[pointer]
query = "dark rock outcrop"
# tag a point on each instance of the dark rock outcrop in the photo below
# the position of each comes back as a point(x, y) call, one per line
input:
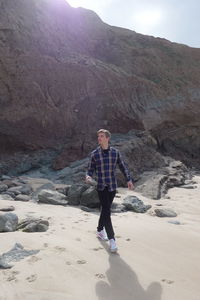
point(64, 74)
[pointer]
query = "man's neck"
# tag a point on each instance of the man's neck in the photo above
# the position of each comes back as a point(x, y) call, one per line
point(105, 147)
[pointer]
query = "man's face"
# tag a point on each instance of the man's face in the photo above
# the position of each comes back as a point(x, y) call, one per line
point(102, 139)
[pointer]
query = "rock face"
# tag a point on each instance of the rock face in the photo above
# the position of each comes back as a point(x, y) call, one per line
point(64, 74)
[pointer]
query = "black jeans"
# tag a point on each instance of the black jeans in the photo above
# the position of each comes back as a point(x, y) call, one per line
point(106, 199)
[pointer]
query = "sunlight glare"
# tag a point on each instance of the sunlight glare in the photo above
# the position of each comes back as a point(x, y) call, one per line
point(147, 18)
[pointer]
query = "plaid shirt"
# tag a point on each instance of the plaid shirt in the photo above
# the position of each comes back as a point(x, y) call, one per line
point(104, 164)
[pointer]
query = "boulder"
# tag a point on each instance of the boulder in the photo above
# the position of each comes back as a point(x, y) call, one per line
point(133, 203)
point(33, 225)
point(75, 193)
point(90, 198)
point(52, 197)
point(6, 197)
point(8, 222)
point(24, 198)
point(3, 188)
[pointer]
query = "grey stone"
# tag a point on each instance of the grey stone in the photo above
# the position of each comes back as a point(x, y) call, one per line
point(75, 192)
point(90, 198)
point(164, 212)
point(6, 197)
point(189, 187)
point(23, 198)
point(52, 197)
point(33, 225)
point(3, 188)
point(5, 177)
point(8, 208)
point(46, 186)
point(133, 203)
point(15, 254)
point(10, 194)
point(87, 209)
point(63, 189)
point(8, 222)
point(26, 189)
point(175, 222)
point(15, 190)
point(117, 208)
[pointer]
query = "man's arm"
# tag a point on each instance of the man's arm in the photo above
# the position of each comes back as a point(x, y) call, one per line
point(90, 170)
point(125, 171)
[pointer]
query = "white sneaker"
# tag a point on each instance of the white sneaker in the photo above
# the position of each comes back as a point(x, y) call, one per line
point(113, 246)
point(102, 235)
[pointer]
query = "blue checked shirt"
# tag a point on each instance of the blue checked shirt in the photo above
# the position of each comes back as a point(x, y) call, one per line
point(104, 163)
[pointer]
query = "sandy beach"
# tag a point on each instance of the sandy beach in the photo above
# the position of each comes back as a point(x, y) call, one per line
point(156, 259)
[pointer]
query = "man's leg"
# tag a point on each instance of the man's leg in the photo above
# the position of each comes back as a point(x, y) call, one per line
point(106, 199)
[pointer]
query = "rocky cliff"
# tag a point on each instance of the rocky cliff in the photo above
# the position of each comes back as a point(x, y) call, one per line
point(64, 74)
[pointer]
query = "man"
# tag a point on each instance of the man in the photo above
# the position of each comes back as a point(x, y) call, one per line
point(103, 161)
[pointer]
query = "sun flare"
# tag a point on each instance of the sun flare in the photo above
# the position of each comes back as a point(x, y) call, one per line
point(148, 18)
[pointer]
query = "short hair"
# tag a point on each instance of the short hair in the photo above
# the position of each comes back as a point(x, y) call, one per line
point(107, 133)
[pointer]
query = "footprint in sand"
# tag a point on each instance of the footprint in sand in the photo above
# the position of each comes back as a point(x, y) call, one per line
point(97, 249)
point(68, 263)
point(81, 262)
point(31, 278)
point(78, 239)
point(128, 240)
point(12, 276)
point(100, 275)
point(33, 259)
point(168, 281)
point(60, 249)
point(45, 245)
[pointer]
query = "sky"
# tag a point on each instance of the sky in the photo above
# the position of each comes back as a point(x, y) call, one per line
point(174, 20)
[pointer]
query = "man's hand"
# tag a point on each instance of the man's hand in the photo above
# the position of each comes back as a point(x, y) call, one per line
point(130, 185)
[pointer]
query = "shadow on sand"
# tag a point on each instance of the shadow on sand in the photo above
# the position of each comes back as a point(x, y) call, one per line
point(123, 282)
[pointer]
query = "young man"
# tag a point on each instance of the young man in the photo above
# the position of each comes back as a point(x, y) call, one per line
point(103, 161)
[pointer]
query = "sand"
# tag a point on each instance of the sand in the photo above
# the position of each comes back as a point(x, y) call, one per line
point(156, 259)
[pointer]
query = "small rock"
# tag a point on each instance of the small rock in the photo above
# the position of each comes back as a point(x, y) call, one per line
point(8, 208)
point(23, 198)
point(165, 213)
point(135, 204)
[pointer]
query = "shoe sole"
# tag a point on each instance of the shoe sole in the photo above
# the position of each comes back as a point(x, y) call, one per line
point(114, 250)
point(102, 238)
